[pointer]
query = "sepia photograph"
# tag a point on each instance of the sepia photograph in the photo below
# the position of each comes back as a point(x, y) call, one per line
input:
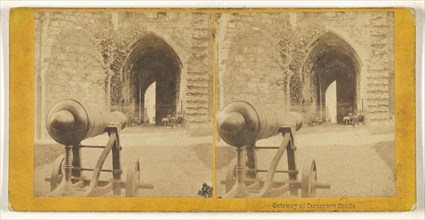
point(123, 104)
point(212, 110)
point(305, 105)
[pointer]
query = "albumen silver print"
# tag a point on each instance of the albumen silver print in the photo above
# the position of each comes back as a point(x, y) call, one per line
point(123, 104)
point(305, 104)
point(289, 104)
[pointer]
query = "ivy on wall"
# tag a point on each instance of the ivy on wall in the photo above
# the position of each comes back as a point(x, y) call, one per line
point(113, 52)
point(296, 89)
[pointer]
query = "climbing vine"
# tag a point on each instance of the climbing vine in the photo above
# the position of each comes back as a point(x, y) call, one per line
point(296, 87)
point(113, 52)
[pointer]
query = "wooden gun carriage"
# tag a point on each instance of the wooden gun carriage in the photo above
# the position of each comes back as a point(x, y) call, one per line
point(241, 125)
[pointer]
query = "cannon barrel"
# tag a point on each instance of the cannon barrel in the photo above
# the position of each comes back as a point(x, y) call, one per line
point(69, 121)
point(240, 123)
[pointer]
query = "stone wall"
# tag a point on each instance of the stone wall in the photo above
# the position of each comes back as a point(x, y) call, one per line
point(190, 35)
point(68, 63)
point(249, 62)
point(273, 76)
point(261, 58)
point(83, 55)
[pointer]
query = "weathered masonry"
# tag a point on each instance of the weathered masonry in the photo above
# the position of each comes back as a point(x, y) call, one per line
point(290, 60)
point(109, 59)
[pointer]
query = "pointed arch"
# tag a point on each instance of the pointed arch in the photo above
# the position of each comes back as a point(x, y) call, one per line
point(151, 59)
point(331, 59)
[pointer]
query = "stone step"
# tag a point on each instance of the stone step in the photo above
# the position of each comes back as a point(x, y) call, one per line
point(197, 93)
point(378, 45)
point(199, 49)
point(379, 58)
point(377, 102)
point(377, 81)
point(377, 95)
point(200, 54)
point(197, 78)
point(199, 114)
point(379, 40)
point(197, 121)
point(380, 66)
point(370, 113)
point(202, 115)
point(378, 50)
point(378, 33)
point(202, 101)
point(380, 119)
point(382, 74)
point(202, 34)
point(378, 109)
point(195, 82)
point(199, 85)
point(194, 105)
point(198, 43)
point(377, 89)
point(377, 116)
point(198, 70)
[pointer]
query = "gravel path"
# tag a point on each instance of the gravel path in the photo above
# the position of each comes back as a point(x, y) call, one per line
point(355, 161)
point(175, 163)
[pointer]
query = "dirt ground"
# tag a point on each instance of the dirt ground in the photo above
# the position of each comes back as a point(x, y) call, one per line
point(174, 162)
point(356, 161)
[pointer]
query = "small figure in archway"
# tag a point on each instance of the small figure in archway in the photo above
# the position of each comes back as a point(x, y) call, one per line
point(178, 119)
point(167, 121)
point(360, 117)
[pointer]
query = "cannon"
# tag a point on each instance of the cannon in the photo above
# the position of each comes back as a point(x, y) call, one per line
point(241, 124)
point(69, 122)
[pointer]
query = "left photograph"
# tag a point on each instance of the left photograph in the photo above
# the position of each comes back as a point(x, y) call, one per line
point(123, 104)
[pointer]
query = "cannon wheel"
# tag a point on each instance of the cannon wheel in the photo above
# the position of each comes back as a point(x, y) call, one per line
point(133, 179)
point(231, 175)
point(308, 181)
point(57, 172)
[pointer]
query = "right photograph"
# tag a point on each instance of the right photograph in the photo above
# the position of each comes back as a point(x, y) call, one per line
point(305, 104)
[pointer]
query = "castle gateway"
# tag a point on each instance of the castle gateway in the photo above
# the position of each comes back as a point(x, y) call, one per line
point(108, 60)
point(153, 64)
point(301, 61)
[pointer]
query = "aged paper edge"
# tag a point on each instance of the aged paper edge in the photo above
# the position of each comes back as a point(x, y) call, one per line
point(22, 136)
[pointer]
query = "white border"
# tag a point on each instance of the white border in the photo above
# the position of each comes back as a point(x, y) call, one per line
point(5, 213)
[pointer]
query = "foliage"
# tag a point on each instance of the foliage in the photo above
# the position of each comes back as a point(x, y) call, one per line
point(116, 90)
point(113, 52)
point(296, 87)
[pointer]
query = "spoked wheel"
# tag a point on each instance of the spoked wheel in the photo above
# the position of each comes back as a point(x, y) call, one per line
point(133, 180)
point(57, 172)
point(308, 181)
point(231, 175)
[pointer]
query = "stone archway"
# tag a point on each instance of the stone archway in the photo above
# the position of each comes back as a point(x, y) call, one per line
point(150, 60)
point(332, 59)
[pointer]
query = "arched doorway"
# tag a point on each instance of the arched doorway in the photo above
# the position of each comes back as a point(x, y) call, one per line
point(152, 60)
point(331, 103)
point(331, 60)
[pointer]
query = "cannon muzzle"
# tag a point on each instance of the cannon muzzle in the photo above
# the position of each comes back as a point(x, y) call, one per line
point(240, 123)
point(69, 122)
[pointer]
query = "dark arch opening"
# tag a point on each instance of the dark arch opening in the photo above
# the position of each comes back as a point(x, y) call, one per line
point(333, 59)
point(154, 60)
